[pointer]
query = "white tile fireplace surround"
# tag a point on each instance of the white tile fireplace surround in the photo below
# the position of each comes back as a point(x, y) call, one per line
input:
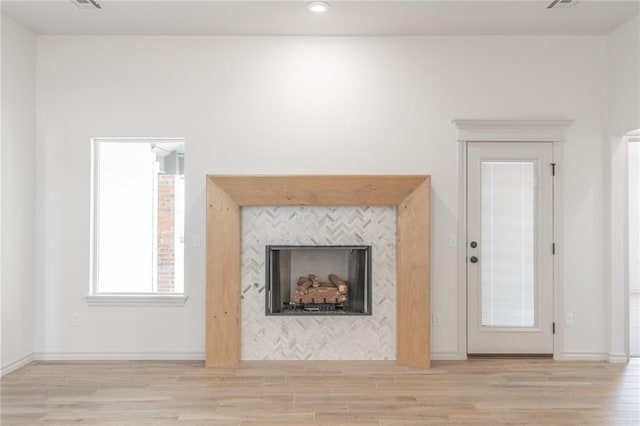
point(318, 337)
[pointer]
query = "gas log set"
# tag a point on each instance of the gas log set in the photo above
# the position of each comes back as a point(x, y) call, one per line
point(310, 290)
point(322, 280)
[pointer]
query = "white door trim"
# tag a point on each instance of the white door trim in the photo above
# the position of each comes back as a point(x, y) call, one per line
point(510, 131)
point(618, 261)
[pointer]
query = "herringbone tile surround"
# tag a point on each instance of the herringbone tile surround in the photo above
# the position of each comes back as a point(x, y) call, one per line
point(318, 338)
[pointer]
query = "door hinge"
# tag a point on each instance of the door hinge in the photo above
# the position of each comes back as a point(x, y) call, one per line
point(553, 169)
point(553, 248)
point(553, 327)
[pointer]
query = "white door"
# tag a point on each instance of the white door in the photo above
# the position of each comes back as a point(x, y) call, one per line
point(509, 248)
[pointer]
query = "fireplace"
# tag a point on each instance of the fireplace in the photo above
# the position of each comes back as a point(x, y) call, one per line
point(229, 328)
point(318, 280)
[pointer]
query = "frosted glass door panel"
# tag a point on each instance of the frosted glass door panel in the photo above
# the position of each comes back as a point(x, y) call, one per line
point(508, 244)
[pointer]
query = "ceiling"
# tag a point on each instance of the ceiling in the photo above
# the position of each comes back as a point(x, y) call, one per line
point(210, 17)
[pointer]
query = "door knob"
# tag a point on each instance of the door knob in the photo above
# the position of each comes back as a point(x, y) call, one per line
point(473, 259)
point(473, 244)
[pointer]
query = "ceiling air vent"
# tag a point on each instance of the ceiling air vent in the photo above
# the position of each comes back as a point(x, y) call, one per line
point(86, 4)
point(562, 4)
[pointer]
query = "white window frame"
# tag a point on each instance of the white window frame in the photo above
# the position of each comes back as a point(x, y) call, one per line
point(95, 298)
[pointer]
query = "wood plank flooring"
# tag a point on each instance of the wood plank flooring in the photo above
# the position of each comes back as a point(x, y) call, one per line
point(371, 393)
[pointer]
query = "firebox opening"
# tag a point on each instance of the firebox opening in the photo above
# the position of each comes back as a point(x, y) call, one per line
point(318, 280)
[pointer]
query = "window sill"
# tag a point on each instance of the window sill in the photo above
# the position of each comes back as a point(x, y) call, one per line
point(127, 299)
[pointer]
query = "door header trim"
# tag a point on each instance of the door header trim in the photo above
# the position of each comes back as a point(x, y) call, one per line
point(511, 130)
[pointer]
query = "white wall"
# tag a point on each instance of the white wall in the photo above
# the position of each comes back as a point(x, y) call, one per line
point(18, 201)
point(623, 78)
point(286, 105)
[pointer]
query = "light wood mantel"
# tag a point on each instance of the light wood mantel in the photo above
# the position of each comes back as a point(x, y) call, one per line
point(227, 194)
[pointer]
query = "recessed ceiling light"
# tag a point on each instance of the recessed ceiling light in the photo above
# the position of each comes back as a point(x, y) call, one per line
point(318, 6)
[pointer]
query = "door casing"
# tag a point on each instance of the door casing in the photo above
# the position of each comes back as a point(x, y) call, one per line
point(510, 131)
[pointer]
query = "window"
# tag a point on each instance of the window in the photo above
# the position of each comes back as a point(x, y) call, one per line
point(138, 217)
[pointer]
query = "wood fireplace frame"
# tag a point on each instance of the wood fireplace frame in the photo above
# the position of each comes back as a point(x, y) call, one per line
point(226, 195)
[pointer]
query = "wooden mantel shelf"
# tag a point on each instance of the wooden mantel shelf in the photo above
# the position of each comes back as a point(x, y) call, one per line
point(227, 194)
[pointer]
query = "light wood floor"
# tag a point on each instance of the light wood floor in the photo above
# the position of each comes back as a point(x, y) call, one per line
point(479, 392)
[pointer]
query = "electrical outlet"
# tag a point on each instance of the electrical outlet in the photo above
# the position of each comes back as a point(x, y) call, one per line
point(435, 320)
point(568, 320)
point(75, 320)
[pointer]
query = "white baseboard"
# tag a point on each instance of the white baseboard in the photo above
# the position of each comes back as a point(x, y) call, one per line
point(617, 358)
point(166, 356)
point(612, 358)
point(581, 356)
point(118, 356)
point(200, 356)
point(448, 356)
point(19, 363)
